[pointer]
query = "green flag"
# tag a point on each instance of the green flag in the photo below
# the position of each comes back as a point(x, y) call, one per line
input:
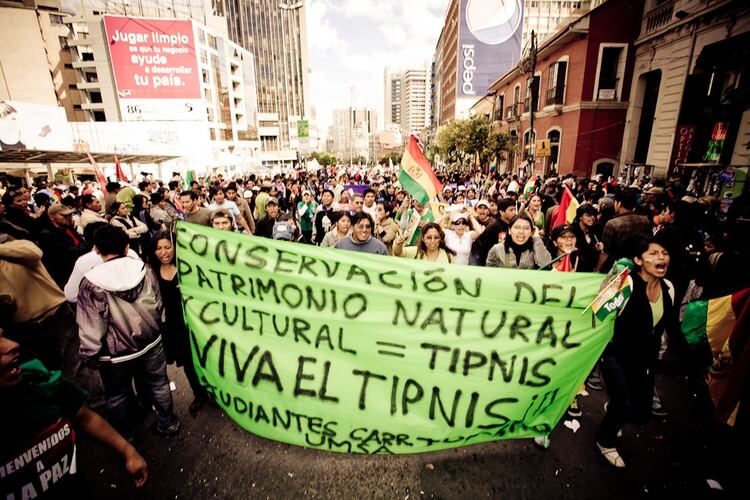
point(361, 353)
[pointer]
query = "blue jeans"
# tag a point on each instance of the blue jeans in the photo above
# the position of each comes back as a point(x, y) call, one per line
point(631, 391)
point(151, 371)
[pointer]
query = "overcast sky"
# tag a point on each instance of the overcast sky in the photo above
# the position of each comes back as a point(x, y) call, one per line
point(352, 41)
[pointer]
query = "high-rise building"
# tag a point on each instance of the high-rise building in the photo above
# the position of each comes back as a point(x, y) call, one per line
point(351, 130)
point(150, 89)
point(481, 40)
point(546, 17)
point(415, 99)
point(392, 94)
point(276, 33)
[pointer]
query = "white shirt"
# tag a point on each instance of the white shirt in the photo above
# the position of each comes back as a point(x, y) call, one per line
point(84, 264)
point(227, 205)
point(462, 245)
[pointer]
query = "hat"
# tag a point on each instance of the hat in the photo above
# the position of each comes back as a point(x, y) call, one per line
point(266, 184)
point(256, 188)
point(221, 212)
point(483, 203)
point(560, 230)
point(248, 193)
point(282, 230)
point(306, 191)
point(447, 188)
point(654, 190)
point(272, 201)
point(462, 188)
point(58, 208)
point(458, 216)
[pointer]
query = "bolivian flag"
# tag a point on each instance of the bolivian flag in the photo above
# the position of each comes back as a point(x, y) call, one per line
point(528, 188)
point(566, 212)
point(416, 175)
point(723, 324)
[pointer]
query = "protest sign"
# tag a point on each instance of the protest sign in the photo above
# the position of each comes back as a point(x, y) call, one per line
point(361, 353)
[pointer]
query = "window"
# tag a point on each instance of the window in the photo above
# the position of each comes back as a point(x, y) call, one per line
point(91, 77)
point(532, 94)
point(63, 41)
point(556, 83)
point(87, 56)
point(96, 97)
point(68, 66)
point(611, 72)
point(528, 143)
point(554, 149)
point(55, 19)
point(99, 116)
point(498, 109)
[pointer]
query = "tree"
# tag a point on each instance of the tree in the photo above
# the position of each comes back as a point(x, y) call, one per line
point(472, 140)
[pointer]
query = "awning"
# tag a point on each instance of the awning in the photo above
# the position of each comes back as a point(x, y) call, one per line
point(34, 156)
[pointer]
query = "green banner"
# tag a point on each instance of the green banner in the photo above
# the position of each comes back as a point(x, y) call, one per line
point(303, 128)
point(361, 353)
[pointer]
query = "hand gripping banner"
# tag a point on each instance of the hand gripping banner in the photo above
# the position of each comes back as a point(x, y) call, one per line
point(360, 353)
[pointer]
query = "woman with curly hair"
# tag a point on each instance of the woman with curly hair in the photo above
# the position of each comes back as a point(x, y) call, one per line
point(431, 246)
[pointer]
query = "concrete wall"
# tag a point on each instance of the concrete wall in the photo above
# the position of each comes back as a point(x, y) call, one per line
point(23, 59)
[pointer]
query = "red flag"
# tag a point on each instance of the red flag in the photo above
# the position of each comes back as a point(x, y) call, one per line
point(564, 265)
point(566, 212)
point(99, 174)
point(118, 171)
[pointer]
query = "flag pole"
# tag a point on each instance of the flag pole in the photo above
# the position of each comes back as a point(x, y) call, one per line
point(557, 259)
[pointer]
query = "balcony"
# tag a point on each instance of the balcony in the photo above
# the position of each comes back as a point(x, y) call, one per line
point(511, 112)
point(555, 96)
point(658, 17)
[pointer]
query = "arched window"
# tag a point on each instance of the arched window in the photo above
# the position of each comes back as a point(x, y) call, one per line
point(553, 135)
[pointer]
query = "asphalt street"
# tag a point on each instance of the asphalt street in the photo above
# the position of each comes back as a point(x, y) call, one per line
point(214, 458)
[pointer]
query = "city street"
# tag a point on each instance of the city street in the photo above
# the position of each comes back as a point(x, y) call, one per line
point(213, 458)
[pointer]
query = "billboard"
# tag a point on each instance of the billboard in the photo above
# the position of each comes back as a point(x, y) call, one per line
point(489, 43)
point(25, 126)
point(155, 68)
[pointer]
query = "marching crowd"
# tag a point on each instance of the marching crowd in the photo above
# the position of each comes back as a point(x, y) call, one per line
point(89, 281)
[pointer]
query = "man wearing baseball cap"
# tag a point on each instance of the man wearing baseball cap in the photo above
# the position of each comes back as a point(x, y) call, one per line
point(264, 227)
point(222, 219)
point(60, 243)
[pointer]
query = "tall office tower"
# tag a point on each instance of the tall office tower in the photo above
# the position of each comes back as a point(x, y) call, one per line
point(275, 31)
point(350, 132)
point(415, 101)
point(392, 94)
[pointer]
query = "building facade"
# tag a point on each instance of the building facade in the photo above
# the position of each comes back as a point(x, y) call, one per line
point(164, 87)
point(578, 94)
point(276, 34)
point(391, 96)
point(545, 17)
point(385, 143)
point(350, 132)
point(690, 88)
point(415, 101)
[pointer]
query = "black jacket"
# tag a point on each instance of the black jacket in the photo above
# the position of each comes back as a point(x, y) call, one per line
point(637, 340)
point(60, 249)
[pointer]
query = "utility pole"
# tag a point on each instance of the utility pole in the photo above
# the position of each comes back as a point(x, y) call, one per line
point(534, 89)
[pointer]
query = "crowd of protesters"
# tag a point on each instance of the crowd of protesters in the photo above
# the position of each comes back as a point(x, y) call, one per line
point(89, 281)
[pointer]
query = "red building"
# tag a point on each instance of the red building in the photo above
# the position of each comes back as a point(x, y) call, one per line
point(581, 90)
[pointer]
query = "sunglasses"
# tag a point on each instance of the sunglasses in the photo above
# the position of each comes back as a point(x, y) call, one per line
point(460, 222)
